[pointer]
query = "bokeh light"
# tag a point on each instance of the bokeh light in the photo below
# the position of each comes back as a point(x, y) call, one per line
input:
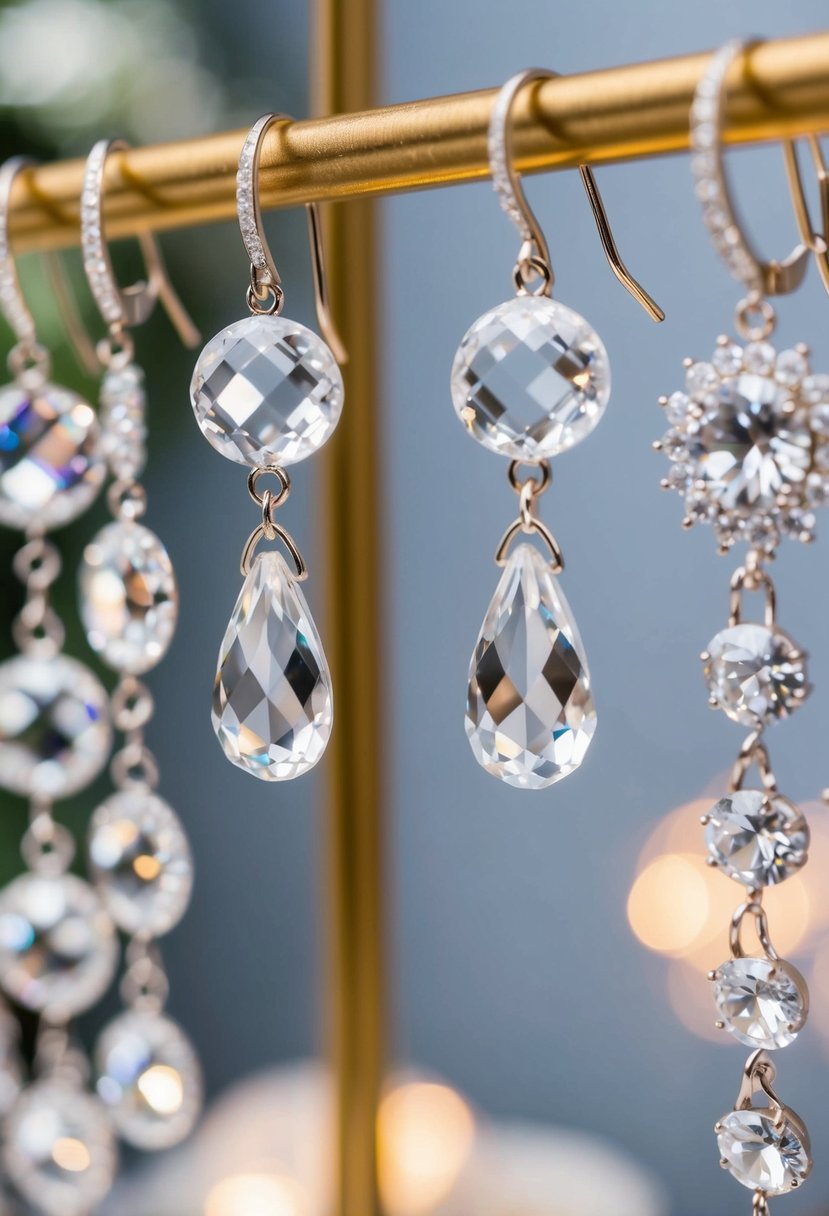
point(425, 1136)
point(258, 1193)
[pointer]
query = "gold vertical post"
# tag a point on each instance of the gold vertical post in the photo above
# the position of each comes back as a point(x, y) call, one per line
point(345, 71)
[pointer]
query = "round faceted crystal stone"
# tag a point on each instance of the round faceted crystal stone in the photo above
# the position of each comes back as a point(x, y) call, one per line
point(756, 674)
point(762, 1002)
point(58, 949)
point(128, 597)
point(266, 390)
point(150, 1079)
point(140, 861)
point(757, 838)
point(764, 1153)
point(51, 466)
point(747, 447)
point(59, 1150)
point(530, 378)
point(55, 733)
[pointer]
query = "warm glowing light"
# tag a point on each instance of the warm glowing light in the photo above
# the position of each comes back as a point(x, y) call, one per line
point(161, 1088)
point(425, 1134)
point(689, 994)
point(147, 867)
point(669, 903)
point(71, 1155)
point(256, 1194)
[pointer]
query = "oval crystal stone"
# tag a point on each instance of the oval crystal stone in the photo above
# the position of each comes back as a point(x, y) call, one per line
point(530, 378)
point(763, 1002)
point(149, 1078)
point(55, 734)
point(59, 1150)
point(272, 701)
point(529, 711)
point(764, 1152)
point(128, 597)
point(749, 446)
point(58, 950)
point(267, 390)
point(757, 838)
point(51, 466)
point(140, 861)
point(756, 674)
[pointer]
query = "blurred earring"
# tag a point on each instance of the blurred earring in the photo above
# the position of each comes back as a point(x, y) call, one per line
point(531, 379)
point(138, 852)
point(267, 392)
point(749, 449)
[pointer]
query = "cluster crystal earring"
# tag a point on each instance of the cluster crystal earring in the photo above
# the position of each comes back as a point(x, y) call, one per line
point(267, 392)
point(139, 857)
point(531, 379)
point(749, 450)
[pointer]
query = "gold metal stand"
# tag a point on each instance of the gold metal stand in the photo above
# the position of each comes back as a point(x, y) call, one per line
point(780, 88)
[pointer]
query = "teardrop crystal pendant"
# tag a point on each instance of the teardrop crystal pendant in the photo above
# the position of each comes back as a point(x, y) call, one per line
point(529, 713)
point(272, 704)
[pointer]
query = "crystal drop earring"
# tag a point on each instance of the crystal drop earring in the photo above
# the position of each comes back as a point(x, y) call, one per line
point(749, 451)
point(138, 853)
point(267, 392)
point(531, 379)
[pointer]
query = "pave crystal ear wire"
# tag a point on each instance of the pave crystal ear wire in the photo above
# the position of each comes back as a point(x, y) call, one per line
point(531, 379)
point(267, 392)
point(58, 948)
point(749, 447)
point(139, 857)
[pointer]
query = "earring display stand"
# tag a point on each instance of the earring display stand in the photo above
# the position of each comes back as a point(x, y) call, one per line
point(777, 89)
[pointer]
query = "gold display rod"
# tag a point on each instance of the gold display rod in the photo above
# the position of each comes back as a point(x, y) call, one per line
point(778, 88)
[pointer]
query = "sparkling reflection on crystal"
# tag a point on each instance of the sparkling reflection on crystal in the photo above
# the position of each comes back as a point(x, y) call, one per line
point(755, 673)
point(266, 390)
point(757, 838)
point(128, 597)
point(530, 378)
point(55, 734)
point(140, 861)
point(762, 1001)
point(59, 1149)
point(58, 949)
point(272, 703)
point(529, 714)
point(763, 1154)
point(150, 1079)
point(51, 465)
point(747, 448)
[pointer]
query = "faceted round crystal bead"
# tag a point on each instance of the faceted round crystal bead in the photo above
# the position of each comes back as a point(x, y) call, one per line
point(755, 674)
point(757, 838)
point(150, 1079)
point(59, 1150)
point(55, 734)
point(51, 466)
point(266, 390)
point(748, 446)
point(128, 597)
point(140, 861)
point(58, 949)
point(763, 1002)
point(529, 712)
point(530, 378)
point(272, 700)
point(764, 1153)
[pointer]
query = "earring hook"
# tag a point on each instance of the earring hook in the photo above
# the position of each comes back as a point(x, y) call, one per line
point(534, 255)
point(123, 308)
point(730, 238)
point(265, 294)
point(814, 241)
point(28, 352)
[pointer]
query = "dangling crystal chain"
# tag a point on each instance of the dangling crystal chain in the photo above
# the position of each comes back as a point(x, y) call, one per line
point(529, 491)
point(37, 628)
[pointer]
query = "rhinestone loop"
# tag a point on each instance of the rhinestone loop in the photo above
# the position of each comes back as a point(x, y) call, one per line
point(145, 985)
point(38, 630)
point(263, 272)
point(12, 304)
point(37, 564)
point(134, 765)
point(132, 705)
point(47, 847)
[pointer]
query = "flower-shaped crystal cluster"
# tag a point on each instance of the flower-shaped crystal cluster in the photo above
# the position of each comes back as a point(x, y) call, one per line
point(749, 443)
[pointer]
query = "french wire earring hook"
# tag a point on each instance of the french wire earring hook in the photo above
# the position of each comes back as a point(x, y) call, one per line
point(123, 308)
point(265, 294)
point(815, 241)
point(534, 255)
